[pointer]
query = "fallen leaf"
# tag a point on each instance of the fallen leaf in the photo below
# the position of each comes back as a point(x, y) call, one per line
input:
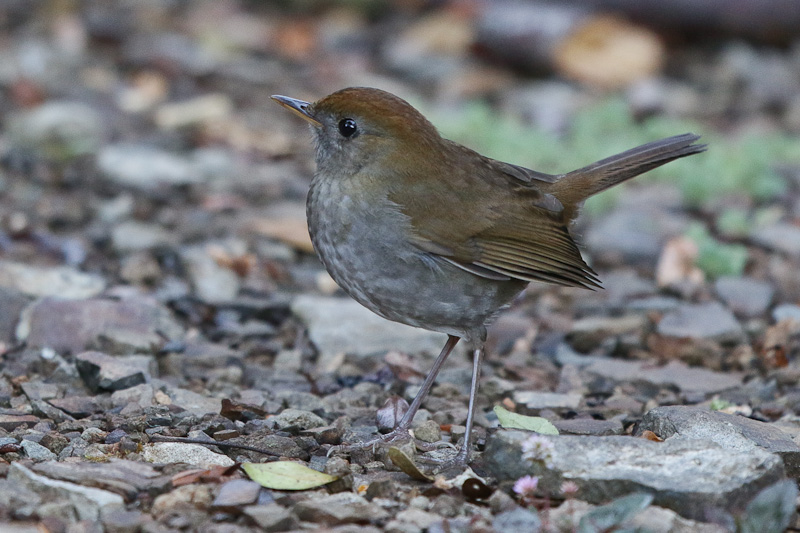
point(403, 366)
point(390, 414)
point(407, 465)
point(649, 435)
point(216, 474)
point(777, 342)
point(286, 475)
point(511, 420)
point(677, 263)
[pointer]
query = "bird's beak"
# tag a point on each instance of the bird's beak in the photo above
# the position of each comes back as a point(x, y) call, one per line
point(299, 107)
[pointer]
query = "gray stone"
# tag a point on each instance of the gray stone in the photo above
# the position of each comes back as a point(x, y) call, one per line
point(586, 334)
point(145, 167)
point(518, 519)
point(745, 296)
point(142, 395)
point(36, 451)
point(134, 236)
point(80, 406)
point(275, 444)
point(660, 304)
point(87, 501)
point(786, 311)
point(342, 508)
point(419, 519)
point(78, 325)
point(212, 282)
point(547, 400)
point(126, 478)
point(688, 476)
point(12, 302)
point(57, 129)
point(588, 426)
point(193, 402)
point(709, 320)
point(659, 520)
point(179, 452)
point(271, 517)
point(104, 372)
point(120, 520)
point(428, 431)
point(59, 511)
point(733, 432)
point(673, 374)
point(12, 422)
point(237, 492)
point(295, 418)
point(339, 325)
point(39, 390)
point(781, 237)
point(20, 498)
point(549, 104)
point(633, 235)
point(61, 282)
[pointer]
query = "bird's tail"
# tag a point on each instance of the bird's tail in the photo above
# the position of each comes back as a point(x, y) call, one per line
point(576, 186)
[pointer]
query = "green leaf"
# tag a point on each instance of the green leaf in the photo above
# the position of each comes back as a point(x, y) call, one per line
point(286, 475)
point(611, 516)
point(770, 511)
point(511, 420)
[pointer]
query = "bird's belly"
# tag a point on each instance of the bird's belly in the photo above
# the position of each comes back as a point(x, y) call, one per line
point(365, 249)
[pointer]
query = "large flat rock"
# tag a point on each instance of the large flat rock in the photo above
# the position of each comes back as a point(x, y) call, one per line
point(342, 325)
point(687, 476)
point(733, 432)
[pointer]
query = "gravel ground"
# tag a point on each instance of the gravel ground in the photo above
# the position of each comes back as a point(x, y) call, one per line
point(158, 285)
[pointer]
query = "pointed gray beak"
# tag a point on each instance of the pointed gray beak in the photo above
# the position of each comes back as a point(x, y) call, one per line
point(299, 107)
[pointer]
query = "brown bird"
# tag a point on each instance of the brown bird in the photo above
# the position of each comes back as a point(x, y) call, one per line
point(424, 231)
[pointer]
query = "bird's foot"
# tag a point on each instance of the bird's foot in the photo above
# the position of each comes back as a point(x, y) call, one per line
point(396, 436)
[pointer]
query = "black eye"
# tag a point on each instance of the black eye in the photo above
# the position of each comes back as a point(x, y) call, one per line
point(347, 127)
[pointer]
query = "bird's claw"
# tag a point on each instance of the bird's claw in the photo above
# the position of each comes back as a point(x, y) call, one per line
point(394, 436)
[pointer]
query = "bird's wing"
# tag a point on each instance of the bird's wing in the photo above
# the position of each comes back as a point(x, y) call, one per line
point(505, 228)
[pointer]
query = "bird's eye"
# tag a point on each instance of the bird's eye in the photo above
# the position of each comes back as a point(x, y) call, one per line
point(347, 127)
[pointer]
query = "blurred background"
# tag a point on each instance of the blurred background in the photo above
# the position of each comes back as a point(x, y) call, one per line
point(112, 111)
point(138, 141)
point(151, 186)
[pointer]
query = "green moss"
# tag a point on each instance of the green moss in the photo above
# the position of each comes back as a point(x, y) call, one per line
point(718, 404)
point(716, 258)
point(734, 223)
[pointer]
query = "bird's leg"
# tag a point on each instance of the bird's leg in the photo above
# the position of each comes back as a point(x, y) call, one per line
point(477, 360)
point(401, 430)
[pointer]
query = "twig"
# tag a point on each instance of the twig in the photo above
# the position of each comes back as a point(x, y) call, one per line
point(186, 440)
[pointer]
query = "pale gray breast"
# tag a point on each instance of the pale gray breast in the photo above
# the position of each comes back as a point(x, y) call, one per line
point(363, 245)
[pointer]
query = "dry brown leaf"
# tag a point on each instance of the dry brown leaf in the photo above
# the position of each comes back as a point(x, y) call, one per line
point(403, 366)
point(649, 435)
point(392, 411)
point(775, 344)
point(216, 474)
point(677, 263)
